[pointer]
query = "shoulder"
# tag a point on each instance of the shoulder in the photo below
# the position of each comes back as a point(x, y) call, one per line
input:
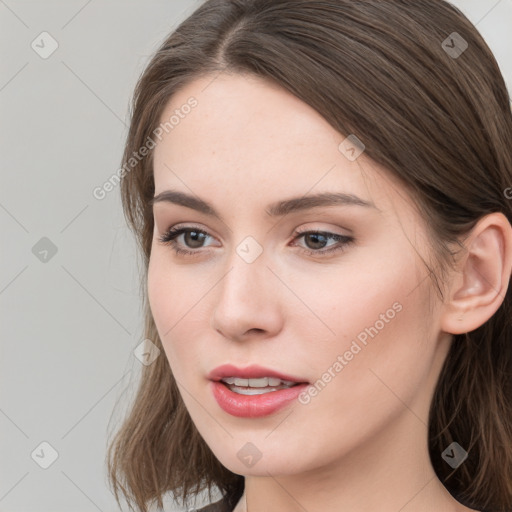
point(218, 506)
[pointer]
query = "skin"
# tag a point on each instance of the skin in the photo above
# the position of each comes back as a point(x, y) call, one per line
point(361, 442)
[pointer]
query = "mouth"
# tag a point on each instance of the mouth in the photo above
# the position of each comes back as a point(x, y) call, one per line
point(254, 377)
point(253, 391)
point(257, 386)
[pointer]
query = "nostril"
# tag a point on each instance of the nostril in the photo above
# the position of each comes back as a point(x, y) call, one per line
point(257, 330)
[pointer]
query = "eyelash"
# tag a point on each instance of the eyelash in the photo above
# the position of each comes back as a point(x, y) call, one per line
point(169, 238)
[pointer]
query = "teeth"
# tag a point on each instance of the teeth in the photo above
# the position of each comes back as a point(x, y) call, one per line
point(254, 391)
point(262, 382)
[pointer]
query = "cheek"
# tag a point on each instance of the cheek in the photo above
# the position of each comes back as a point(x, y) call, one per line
point(167, 289)
point(176, 306)
point(338, 303)
point(380, 374)
point(162, 296)
point(159, 291)
point(370, 324)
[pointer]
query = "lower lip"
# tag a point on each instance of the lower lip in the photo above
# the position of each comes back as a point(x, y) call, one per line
point(254, 406)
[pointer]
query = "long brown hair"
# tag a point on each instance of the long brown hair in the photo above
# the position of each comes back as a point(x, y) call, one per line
point(439, 121)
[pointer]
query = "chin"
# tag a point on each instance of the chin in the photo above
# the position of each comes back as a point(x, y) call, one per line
point(260, 458)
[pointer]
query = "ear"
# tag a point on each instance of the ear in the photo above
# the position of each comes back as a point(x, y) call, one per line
point(483, 273)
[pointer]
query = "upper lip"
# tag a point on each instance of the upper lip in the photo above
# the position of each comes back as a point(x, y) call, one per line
point(249, 372)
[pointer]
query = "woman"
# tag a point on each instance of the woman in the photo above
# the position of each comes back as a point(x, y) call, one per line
point(321, 192)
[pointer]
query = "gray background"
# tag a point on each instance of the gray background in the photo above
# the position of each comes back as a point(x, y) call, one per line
point(71, 320)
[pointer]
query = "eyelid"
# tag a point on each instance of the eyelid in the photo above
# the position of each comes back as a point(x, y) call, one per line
point(179, 229)
point(298, 231)
point(342, 241)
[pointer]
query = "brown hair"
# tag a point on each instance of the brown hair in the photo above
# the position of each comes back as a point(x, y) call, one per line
point(441, 123)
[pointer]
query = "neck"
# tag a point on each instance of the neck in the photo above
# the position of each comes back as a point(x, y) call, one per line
point(390, 472)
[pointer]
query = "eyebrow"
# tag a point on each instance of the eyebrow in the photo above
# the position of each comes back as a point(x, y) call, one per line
point(277, 209)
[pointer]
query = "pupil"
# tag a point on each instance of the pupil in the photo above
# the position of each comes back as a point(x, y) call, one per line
point(194, 235)
point(316, 237)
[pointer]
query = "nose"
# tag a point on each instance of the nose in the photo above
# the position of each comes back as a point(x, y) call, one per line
point(248, 301)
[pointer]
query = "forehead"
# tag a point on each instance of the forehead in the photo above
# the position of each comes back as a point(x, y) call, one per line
point(247, 120)
point(248, 137)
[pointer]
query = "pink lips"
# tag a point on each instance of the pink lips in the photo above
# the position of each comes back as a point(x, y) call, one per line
point(250, 372)
point(252, 406)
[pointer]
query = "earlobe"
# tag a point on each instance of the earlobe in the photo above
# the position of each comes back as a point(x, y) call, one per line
point(482, 278)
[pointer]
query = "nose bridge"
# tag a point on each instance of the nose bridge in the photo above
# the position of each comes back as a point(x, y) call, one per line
point(247, 266)
point(246, 298)
point(244, 281)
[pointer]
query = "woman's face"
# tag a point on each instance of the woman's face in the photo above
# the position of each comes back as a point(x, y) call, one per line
point(353, 317)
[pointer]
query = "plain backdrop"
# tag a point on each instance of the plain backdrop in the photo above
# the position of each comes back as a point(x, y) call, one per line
point(69, 285)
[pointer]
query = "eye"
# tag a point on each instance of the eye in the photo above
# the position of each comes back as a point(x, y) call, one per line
point(316, 238)
point(194, 237)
